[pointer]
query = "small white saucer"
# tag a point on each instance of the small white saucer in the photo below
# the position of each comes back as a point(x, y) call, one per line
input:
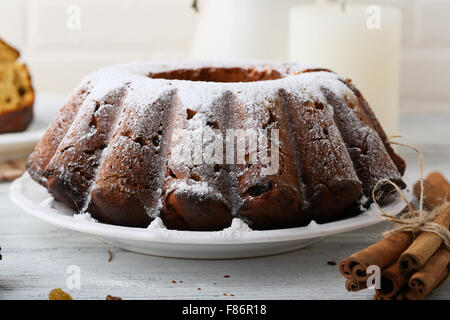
point(231, 243)
point(19, 144)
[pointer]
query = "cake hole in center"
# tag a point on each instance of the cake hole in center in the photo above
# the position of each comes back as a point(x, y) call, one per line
point(218, 75)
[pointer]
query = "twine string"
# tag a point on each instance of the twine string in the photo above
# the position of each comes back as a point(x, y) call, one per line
point(413, 220)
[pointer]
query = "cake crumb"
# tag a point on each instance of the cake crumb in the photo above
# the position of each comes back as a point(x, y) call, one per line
point(110, 256)
point(59, 294)
point(331, 263)
point(226, 276)
point(110, 297)
point(199, 289)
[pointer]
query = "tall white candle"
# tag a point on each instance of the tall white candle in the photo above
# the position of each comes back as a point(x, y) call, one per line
point(242, 29)
point(360, 42)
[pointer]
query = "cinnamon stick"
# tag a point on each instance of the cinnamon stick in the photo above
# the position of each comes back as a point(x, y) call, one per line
point(433, 272)
point(425, 245)
point(383, 253)
point(439, 181)
point(355, 285)
point(434, 194)
point(392, 282)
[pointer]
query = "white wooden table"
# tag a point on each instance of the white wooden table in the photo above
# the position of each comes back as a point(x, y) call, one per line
point(36, 255)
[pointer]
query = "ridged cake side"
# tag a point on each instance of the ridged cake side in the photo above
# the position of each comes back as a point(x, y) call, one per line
point(73, 168)
point(128, 186)
point(371, 159)
point(46, 148)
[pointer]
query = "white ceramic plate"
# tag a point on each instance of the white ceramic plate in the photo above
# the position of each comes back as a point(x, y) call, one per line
point(228, 244)
point(18, 145)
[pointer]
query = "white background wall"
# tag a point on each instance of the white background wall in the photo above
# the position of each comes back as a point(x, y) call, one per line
point(115, 31)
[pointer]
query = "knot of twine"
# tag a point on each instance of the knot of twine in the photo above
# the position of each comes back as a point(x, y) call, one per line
point(414, 220)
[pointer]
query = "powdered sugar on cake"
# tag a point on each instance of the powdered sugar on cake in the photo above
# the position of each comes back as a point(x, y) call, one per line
point(122, 146)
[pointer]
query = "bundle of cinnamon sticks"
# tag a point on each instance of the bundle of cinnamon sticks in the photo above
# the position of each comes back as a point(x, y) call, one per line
point(411, 265)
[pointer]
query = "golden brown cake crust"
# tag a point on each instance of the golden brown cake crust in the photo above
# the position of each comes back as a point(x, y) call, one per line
point(8, 53)
point(16, 91)
point(17, 120)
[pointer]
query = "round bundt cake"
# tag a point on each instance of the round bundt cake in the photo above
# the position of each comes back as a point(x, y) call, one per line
point(114, 148)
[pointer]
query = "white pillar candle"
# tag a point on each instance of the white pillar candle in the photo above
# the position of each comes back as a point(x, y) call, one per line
point(242, 29)
point(361, 42)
